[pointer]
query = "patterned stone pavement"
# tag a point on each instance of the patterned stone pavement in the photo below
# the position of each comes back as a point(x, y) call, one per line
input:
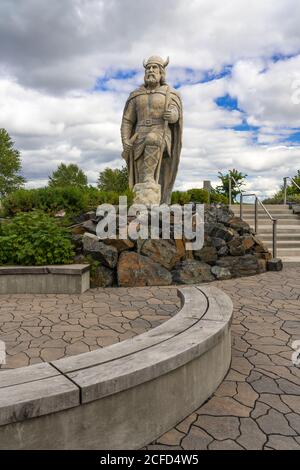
point(39, 328)
point(257, 406)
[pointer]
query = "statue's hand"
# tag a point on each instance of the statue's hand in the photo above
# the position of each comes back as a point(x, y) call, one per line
point(169, 116)
point(127, 146)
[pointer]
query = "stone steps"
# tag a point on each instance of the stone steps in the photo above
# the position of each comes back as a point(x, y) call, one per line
point(288, 230)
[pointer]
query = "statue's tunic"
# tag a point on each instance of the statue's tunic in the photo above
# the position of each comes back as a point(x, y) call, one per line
point(143, 115)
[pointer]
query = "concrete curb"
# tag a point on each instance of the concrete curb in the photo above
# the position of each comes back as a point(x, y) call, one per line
point(60, 279)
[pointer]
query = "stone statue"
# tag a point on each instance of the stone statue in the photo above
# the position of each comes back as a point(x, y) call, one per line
point(151, 133)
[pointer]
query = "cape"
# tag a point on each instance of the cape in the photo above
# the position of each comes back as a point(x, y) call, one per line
point(169, 165)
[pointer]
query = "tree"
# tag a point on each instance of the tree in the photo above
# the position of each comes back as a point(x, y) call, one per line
point(113, 180)
point(68, 175)
point(237, 181)
point(10, 165)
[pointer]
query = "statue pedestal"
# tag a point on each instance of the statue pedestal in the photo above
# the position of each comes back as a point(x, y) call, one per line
point(147, 193)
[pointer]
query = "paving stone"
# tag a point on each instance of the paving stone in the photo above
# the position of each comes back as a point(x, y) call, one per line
point(227, 444)
point(226, 389)
point(245, 394)
point(260, 410)
point(293, 402)
point(294, 421)
point(196, 439)
point(185, 425)
point(274, 401)
point(171, 438)
point(225, 406)
point(251, 437)
point(275, 423)
point(223, 427)
point(279, 442)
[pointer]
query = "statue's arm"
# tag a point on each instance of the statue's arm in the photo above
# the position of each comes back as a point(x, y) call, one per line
point(172, 113)
point(128, 122)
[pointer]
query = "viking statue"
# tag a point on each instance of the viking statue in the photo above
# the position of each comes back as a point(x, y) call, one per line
point(151, 133)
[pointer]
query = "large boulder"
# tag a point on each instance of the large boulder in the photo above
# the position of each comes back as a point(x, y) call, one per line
point(192, 272)
point(220, 231)
point(207, 254)
point(165, 252)
point(221, 273)
point(238, 224)
point(108, 255)
point(236, 247)
point(245, 265)
point(135, 270)
point(120, 244)
point(101, 276)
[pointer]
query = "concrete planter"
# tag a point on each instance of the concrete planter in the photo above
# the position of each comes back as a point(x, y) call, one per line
point(64, 279)
point(126, 395)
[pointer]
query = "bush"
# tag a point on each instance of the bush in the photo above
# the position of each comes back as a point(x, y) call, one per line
point(200, 196)
point(50, 200)
point(216, 198)
point(34, 238)
point(180, 197)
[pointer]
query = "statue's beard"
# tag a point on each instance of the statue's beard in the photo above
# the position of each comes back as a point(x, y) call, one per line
point(151, 80)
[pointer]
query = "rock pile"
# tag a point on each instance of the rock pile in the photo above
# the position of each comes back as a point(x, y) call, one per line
point(230, 250)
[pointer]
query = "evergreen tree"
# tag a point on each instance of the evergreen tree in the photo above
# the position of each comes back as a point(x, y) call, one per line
point(10, 165)
point(68, 175)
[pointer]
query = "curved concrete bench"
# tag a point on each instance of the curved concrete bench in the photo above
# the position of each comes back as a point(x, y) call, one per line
point(52, 279)
point(125, 395)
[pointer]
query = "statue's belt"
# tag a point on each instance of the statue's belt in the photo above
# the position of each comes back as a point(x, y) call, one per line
point(150, 122)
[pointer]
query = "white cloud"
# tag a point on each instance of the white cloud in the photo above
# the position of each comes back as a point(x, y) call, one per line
point(52, 54)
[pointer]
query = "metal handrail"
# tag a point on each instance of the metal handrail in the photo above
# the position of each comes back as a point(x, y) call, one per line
point(274, 221)
point(285, 186)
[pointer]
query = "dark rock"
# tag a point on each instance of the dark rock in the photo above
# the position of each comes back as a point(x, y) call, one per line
point(220, 231)
point(77, 242)
point(119, 244)
point(235, 247)
point(78, 219)
point(275, 264)
point(192, 272)
point(218, 243)
point(207, 254)
point(138, 270)
point(99, 251)
point(246, 265)
point(223, 251)
point(89, 226)
point(101, 276)
point(238, 224)
point(165, 252)
point(221, 273)
point(247, 242)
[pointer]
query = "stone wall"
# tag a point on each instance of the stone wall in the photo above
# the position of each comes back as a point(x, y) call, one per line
point(230, 250)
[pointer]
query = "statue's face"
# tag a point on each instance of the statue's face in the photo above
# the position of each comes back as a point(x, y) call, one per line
point(152, 74)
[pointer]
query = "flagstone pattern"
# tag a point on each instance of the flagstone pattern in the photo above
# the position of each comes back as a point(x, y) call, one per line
point(38, 328)
point(257, 406)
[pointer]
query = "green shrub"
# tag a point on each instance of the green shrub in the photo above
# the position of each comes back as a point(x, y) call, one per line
point(34, 238)
point(51, 199)
point(216, 198)
point(180, 197)
point(198, 195)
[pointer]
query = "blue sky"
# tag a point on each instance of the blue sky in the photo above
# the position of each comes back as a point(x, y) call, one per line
point(64, 80)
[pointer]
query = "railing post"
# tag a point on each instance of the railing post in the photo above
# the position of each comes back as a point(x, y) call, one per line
point(229, 183)
point(284, 188)
point(256, 216)
point(241, 206)
point(274, 238)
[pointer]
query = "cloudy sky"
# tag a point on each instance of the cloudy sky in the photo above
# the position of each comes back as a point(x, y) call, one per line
point(67, 66)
